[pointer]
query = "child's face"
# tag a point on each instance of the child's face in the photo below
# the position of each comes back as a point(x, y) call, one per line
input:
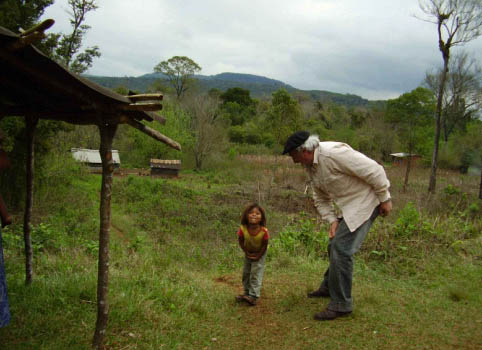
point(254, 216)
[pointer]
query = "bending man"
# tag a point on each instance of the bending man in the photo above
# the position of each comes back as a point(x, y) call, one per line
point(359, 187)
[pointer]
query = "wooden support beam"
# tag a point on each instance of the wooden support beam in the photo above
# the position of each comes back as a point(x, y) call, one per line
point(31, 124)
point(153, 133)
point(107, 133)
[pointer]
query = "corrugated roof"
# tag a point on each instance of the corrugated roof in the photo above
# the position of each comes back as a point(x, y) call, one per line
point(92, 156)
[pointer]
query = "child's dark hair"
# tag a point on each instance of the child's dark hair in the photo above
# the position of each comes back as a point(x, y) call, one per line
point(244, 217)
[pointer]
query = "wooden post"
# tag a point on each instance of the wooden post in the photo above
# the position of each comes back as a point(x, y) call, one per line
point(107, 133)
point(30, 125)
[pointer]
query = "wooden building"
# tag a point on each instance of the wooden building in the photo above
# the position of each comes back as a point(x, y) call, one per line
point(33, 87)
point(91, 158)
point(401, 159)
point(165, 168)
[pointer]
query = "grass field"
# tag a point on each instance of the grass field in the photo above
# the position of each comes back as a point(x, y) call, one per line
point(175, 266)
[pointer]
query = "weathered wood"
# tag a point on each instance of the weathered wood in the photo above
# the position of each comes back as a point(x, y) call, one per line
point(154, 106)
point(153, 133)
point(41, 27)
point(25, 41)
point(145, 97)
point(31, 124)
point(107, 133)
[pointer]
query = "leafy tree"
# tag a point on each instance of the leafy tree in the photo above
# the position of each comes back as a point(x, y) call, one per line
point(239, 95)
point(238, 106)
point(69, 45)
point(463, 97)
point(458, 22)
point(22, 14)
point(411, 113)
point(283, 116)
point(179, 71)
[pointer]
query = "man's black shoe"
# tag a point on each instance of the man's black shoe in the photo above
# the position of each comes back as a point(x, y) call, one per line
point(320, 293)
point(328, 315)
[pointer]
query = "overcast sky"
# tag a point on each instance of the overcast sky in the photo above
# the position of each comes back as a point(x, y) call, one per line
point(373, 48)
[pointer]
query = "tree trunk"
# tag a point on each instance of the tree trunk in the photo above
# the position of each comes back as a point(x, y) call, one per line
point(438, 115)
point(480, 187)
point(407, 172)
point(30, 125)
point(107, 133)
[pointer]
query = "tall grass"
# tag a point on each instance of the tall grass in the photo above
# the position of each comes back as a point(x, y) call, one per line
point(175, 265)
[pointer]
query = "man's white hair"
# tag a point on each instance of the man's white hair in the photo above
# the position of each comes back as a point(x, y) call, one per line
point(310, 144)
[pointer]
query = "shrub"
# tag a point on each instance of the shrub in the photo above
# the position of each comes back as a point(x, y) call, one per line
point(302, 237)
point(408, 221)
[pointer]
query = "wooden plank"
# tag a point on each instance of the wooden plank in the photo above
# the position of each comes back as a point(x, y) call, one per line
point(145, 97)
point(41, 27)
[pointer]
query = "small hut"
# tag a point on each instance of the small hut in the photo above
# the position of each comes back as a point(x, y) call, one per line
point(35, 87)
point(401, 159)
point(91, 158)
point(165, 167)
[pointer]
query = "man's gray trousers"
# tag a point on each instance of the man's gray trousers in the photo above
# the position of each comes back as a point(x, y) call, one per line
point(339, 275)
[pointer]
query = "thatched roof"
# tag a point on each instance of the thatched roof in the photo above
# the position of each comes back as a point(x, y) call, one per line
point(34, 85)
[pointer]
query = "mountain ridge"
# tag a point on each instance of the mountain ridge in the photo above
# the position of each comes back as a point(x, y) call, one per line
point(259, 86)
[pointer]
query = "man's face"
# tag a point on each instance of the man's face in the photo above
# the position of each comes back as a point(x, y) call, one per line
point(303, 157)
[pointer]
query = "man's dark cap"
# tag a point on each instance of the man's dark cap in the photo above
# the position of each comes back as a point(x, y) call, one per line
point(295, 141)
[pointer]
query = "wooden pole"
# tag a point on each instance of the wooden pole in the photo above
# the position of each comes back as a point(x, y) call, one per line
point(107, 133)
point(30, 125)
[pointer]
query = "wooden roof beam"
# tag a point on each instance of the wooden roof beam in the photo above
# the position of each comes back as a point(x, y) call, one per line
point(152, 133)
point(31, 35)
point(145, 97)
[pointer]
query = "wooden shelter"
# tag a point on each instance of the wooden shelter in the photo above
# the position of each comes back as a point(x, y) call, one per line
point(401, 159)
point(165, 167)
point(34, 87)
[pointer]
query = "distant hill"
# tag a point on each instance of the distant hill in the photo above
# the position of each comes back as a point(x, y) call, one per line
point(259, 86)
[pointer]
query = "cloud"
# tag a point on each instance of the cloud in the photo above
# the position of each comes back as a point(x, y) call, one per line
point(376, 49)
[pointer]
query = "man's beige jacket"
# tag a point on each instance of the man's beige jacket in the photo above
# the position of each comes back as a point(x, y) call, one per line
point(348, 178)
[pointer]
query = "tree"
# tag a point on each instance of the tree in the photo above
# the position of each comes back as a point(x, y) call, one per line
point(458, 22)
point(179, 71)
point(206, 128)
point(68, 45)
point(411, 113)
point(463, 96)
point(283, 116)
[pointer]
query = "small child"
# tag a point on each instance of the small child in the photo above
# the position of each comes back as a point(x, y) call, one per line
point(253, 239)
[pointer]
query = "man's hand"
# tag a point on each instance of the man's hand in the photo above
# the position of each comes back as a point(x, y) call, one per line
point(385, 208)
point(332, 230)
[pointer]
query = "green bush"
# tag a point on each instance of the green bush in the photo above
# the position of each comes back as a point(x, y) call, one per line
point(408, 221)
point(302, 237)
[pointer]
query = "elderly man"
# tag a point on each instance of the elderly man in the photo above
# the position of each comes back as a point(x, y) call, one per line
point(359, 187)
